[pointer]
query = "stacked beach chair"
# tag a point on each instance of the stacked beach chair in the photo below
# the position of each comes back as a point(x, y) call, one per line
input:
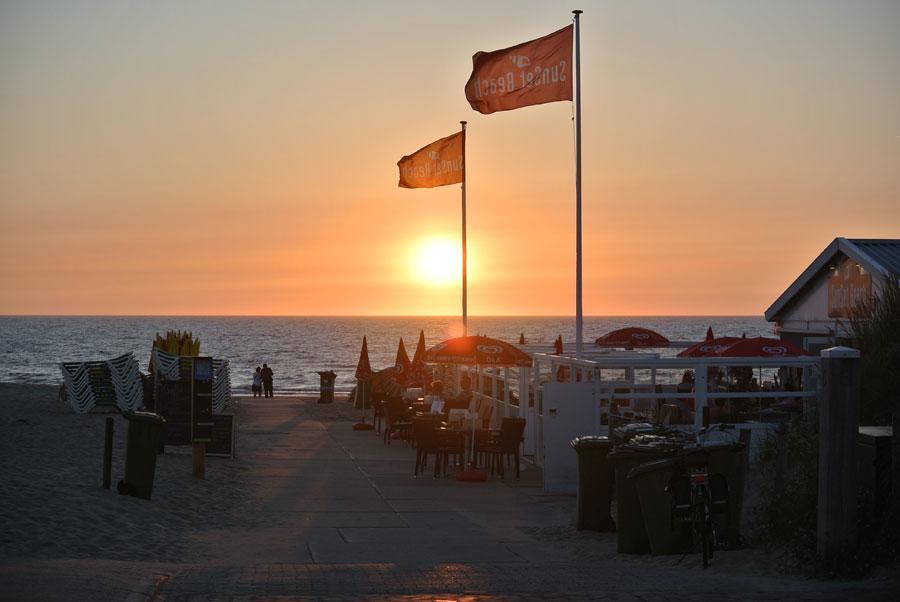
point(176, 368)
point(221, 386)
point(115, 382)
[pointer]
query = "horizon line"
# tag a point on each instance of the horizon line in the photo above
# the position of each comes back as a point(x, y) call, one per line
point(377, 316)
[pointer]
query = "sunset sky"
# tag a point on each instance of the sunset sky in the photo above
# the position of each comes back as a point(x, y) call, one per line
point(240, 157)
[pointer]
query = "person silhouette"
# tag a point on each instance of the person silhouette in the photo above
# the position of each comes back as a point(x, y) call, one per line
point(266, 374)
point(257, 386)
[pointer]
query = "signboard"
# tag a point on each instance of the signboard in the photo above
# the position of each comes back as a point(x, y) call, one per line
point(173, 402)
point(848, 285)
point(201, 400)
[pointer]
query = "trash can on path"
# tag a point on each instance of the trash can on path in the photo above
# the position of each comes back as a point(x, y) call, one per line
point(144, 432)
point(631, 538)
point(326, 386)
point(594, 483)
point(651, 481)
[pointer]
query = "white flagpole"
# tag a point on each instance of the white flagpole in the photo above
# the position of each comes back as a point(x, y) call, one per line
point(579, 342)
point(464, 308)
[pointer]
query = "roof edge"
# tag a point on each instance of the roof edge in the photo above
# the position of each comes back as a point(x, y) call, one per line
point(801, 281)
point(839, 245)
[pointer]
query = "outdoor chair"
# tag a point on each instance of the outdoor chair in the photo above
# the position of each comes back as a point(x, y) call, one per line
point(504, 445)
point(451, 445)
point(425, 436)
point(396, 420)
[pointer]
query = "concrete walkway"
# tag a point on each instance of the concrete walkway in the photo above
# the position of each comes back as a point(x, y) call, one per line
point(323, 511)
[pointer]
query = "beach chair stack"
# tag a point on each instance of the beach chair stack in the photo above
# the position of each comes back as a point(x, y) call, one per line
point(221, 385)
point(126, 381)
point(115, 382)
point(175, 368)
point(77, 382)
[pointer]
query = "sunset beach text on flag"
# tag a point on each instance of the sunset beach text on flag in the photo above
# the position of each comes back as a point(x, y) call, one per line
point(440, 163)
point(530, 73)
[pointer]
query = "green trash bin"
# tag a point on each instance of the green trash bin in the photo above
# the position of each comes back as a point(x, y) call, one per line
point(144, 433)
point(727, 460)
point(326, 386)
point(651, 481)
point(594, 484)
point(631, 538)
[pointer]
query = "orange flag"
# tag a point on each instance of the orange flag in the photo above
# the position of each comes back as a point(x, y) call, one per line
point(530, 73)
point(438, 164)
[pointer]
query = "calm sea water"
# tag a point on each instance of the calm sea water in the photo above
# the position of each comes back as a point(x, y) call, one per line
point(296, 347)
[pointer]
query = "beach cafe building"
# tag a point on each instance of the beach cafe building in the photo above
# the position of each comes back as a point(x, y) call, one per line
point(813, 313)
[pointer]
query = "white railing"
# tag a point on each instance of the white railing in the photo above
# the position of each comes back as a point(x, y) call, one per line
point(626, 378)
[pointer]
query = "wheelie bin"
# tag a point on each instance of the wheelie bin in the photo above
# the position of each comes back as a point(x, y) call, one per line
point(631, 537)
point(651, 481)
point(326, 386)
point(144, 432)
point(594, 483)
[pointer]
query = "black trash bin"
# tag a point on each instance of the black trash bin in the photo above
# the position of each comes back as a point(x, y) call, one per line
point(326, 386)
point(651, 481)
point(631, 538)
point(594, 483)
point(144, 433)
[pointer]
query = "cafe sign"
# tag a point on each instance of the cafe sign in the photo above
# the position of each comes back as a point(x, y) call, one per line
point(848, 285)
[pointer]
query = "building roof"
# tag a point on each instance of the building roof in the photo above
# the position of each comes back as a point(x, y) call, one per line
point(878, 256)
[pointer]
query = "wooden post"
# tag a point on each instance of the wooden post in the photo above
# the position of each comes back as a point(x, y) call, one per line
point(107, 453)
point(838, 432)
point(198, 451)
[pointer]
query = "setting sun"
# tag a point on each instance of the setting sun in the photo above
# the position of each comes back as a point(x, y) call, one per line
point(437, 261)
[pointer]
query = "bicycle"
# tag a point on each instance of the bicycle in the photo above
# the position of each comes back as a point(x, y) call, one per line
point(694, 501)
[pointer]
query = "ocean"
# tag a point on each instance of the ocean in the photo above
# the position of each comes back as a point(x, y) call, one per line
point(31, 347)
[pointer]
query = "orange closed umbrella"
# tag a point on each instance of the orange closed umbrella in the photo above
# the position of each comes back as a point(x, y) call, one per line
point(419, 369)
point(402, 366)
point(363, 386)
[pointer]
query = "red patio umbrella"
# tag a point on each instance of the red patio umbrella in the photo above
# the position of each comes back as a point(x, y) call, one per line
point(363, 386)
point(708, 347)
point(477, 351)
point(709, 335)
point(762, 347)
point(633, 336)
point(402, 366)
point(558, 346)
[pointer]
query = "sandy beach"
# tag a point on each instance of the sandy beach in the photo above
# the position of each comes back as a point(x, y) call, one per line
point(310, 508)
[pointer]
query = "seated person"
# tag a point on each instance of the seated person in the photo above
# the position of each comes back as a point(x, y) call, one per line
point(436, 398)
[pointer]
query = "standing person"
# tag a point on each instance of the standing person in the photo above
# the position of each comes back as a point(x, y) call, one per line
point(257, 383)
point(266, 374)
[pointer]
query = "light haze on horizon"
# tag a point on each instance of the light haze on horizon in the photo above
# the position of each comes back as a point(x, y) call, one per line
point(228, 158)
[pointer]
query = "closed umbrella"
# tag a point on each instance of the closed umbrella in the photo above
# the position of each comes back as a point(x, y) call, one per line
point(402, 366)
point(363, 386)
point(419, 368)
point(631, 337)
